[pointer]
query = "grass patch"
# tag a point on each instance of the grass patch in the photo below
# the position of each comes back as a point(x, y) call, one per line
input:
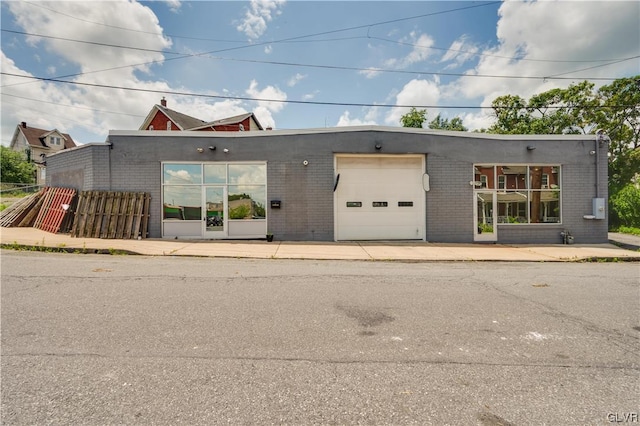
point(62, 249)
point(628, 230)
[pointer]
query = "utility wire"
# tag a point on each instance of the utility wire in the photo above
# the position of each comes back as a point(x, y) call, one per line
point(40, 101)
point(392, 21)
point(276, 41)
point(335, 67)
point(285, 101)
point(170, 52)
point(516, 58)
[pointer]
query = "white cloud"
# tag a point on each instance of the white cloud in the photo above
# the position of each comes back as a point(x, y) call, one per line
point(174, 5)
point(258, 15)
point(180, 176)
point(370, 72)
point(346, 120)
point(124, 109)
point(296, 79)
point(459, 52)
point(309, 96)
point(265, 109)
point(541, 38)
point(420, 52)
point(416, 92)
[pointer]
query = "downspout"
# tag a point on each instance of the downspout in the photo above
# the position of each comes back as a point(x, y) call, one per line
point(601, 138)
point(599, 135)
point(109, 161)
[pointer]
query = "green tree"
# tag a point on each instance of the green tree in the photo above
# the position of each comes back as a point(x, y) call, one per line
point(625, 207)
point(620, 119)
point(414, 118)
point(14, 168)
point(556, 111)
point(440, 123)
point(578, 109)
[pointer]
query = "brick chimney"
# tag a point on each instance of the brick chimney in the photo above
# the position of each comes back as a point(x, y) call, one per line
point(163, 102)
point(24, 124)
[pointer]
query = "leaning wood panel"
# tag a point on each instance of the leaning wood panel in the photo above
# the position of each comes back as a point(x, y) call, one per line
point(130, 214)
point(15, 214)
point(99, 213)
point(102, 214)
point(52, 213)
point(28, 219)
point(113, 225)
point(145, 215)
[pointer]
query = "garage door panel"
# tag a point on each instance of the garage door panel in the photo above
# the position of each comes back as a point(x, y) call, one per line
point(398, 232)
point(380, 179)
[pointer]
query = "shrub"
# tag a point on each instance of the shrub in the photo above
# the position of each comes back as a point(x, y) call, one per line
point(625, 207)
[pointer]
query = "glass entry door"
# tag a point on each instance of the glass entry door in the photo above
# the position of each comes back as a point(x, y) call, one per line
point(214, 212)
point(485, 216)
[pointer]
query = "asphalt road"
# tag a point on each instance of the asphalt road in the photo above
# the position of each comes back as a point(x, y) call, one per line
point(102, 340)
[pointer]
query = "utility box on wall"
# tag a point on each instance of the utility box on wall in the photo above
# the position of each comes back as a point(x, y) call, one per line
point(599, 208)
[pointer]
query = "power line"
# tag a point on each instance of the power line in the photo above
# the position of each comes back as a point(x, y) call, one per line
point(95, 43)
point(270, 42)
point(335, 67)
point(391, 21)
point(47, 113)
point(285, 101)
point(517, 58)
point(612, 61)
point(70, 106)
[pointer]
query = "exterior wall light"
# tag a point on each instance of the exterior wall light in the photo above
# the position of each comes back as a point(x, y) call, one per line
point(530, 148)
point(305, 163)
point(226, 150)
point(212, 148)
point(200, 150)
point(378, 147)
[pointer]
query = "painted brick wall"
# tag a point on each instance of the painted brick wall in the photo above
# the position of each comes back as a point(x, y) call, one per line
point(84, 168)
point(306, 192)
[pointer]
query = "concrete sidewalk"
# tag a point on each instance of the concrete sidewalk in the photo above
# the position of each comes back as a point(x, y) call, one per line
point(380, 251)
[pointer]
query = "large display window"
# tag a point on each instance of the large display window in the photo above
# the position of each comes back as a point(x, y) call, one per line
point(214, 200)
point(525, 194)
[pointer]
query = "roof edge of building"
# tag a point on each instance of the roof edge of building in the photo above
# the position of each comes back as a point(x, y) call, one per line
point(346, 129)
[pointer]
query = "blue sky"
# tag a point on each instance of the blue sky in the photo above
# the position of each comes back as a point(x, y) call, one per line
point(351, 63)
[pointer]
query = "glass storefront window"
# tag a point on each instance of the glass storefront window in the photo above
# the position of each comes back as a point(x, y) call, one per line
point(247, 201)
point(182, 202)
point(182, 174)
point(215, 173)
point(247, 174)
point(182, 191)
point(525, 193)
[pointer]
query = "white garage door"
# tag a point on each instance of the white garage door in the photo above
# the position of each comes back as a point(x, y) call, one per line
point(380, 198)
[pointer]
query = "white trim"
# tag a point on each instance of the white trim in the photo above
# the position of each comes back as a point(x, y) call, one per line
point(384, 129)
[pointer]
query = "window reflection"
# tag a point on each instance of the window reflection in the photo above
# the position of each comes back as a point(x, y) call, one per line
point(182, 203)
point(196, 192)
point(182, 174)
point(526, 194)
point(247, 202)
point(247, 174)
point(484, 176)
point(512, 177)
point(215, 173)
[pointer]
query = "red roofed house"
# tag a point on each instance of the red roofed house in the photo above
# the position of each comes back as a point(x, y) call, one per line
point(162, 118)
point(36, 144)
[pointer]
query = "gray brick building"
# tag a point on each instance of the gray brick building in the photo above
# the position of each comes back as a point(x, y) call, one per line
point(358, 183)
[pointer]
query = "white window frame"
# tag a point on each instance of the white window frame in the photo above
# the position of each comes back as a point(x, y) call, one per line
point(557, 168)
